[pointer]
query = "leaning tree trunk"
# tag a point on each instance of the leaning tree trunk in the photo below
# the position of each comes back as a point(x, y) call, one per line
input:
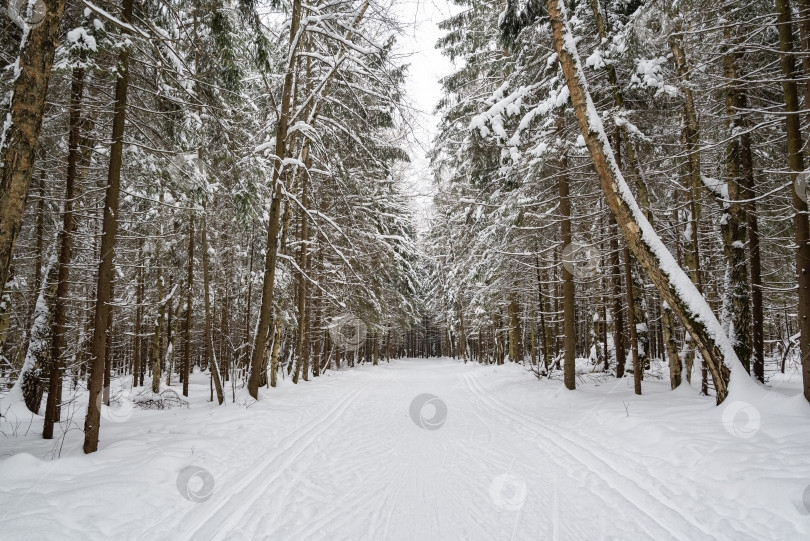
point(109, 229)
point(20, 129)
point(662, 269)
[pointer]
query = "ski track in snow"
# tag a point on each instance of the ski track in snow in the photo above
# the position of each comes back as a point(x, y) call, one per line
point(340, 458)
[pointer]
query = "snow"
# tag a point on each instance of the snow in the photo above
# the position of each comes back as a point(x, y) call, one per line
point(342, 457)
point(739, 382)
point(81, 38)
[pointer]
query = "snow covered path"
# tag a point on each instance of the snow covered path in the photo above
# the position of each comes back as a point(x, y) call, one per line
point(341, 458)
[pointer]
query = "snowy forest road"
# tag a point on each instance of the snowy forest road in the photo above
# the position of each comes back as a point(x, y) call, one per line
point(416, 449)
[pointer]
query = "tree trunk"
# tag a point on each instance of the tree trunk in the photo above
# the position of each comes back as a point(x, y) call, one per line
point(65, 254)
point(20, 130)
point(187, 322)
point(569, 307)
point(515, 342)
point(303, 289)
point(662, 269)
point(675, 367)
point(266, 310)
point(757, 314)
point(631, 321)
point(796, 161)
point(154, 351)
point(109, 231)
point(274, 358)
point(210, 355)
point(137, 369)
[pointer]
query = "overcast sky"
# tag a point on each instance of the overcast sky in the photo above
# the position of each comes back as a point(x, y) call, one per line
point(427, 66)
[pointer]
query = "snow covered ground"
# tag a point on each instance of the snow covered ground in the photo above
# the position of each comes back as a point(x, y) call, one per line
point(423, 449)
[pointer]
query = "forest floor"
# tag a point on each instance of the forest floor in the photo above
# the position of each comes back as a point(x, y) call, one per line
point(492, 453)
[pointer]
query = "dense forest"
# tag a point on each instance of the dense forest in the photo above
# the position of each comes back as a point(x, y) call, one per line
point(625, 181)
point(199, 185)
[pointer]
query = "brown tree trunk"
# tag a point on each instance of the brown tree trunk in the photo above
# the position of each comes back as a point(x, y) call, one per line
point(617, 312)
point(108, 346)
point(569, 307)
point(19, 139)
point(109, 230)
point(757, 314)
point(139, 288)
point(734, 223)
point(154, 351)
point(210, 356)
point(187, 322)
point(65, 254)
point(266, 310)
point(796, 161)
point(631, 321)
point(274, 357)
point(515, 342)
point(302, 355)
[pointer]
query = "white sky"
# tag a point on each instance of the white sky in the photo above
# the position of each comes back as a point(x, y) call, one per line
point(427, 65)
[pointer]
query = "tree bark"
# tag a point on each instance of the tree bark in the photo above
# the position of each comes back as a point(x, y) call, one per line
point(189, 291)
point(65, 253)
point(757, 314)
point(569, 307)
point(796, 161)
point(631, 321)
point(137, 368)
point(266, 310)
point(210, 356)
point(109, 230)
point(21, 128)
